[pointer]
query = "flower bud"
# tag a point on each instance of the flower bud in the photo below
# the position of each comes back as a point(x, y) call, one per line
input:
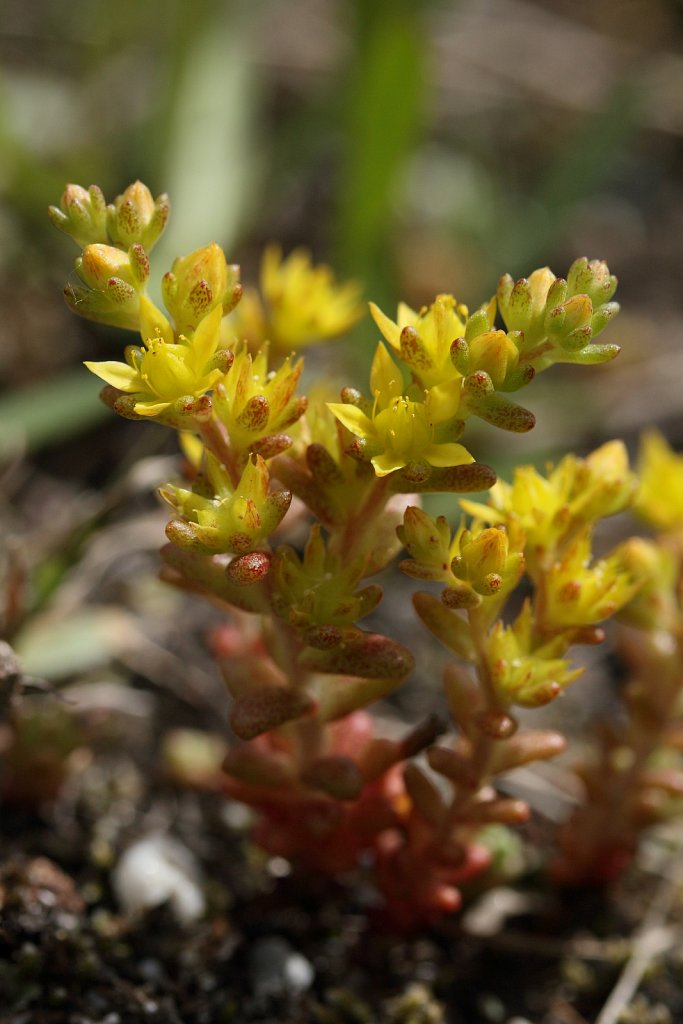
point(197, 284)
point(82, 213)
point(523, 303)
point(592, 278)
point(99, 264)
point(569, 324)
point(113, 284)
point(136, 218)
point(495, 353)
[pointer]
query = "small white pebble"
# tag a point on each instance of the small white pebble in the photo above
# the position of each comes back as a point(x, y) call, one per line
point(490, 913)
point(298, 973)
point(156, 870)
point(274, 968)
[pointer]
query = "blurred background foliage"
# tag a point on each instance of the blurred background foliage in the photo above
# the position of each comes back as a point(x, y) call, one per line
point(421, 146)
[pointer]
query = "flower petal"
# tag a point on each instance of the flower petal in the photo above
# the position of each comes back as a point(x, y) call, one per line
point(387, 463)
point(119, 375)
point(204, 341)
point(150, 408)
point(448, 455)
point(353, 419)
point(153, 323)
point(390, 330)
point(385, 377)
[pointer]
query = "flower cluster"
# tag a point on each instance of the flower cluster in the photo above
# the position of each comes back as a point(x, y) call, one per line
point(300, 304)
point(286, 509)
point(635, 777)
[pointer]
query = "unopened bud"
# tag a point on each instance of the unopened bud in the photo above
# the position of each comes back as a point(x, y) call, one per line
point(82, 214)
point(197, 283)
point(136, 218)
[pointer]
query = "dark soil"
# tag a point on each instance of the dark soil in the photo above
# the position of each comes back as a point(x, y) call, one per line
point(281, 946)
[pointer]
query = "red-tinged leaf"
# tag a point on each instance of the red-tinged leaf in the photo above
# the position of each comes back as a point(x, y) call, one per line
point(381, 754)
point(322, 466)
point(338, 696)
point(469, 478)
point(503, 413)
point(454, 766)
point(525, 747)
point(269, 447)
point(258, 769)
point(369, 655)
point(184, 535)
point(500, 811)
point(378, 756)
point(447, 626)
point(249, 568)
point(463, 695)
point(323, 637)
point(425, 795)
point(206, 575)
point(496, 724)
point(267, 708)
point(339, 777)
point(422, 735)
point(254, 416)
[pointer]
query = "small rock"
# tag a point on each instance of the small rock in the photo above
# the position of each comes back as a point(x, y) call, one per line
point(274, 968)
point(157, 870)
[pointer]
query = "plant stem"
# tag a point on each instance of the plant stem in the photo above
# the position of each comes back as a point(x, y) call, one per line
point(483, 745)
point(351, 540)
point(216, 439)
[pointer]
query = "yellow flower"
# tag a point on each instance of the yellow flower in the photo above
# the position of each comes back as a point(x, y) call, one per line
point(487, 560)
point(551, 508)
point(656, 607)
point(521, 674)
point(580, 593)
point(423, 340)
point(165, 370)
point(660, 498)
point(255, 404)
point(302, 303)
point(236, 519)
point(399, 431)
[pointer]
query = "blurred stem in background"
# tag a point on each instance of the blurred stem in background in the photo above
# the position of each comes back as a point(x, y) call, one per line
point(383, 117)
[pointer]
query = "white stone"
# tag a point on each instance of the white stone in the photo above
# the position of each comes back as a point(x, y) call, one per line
point(157, 869)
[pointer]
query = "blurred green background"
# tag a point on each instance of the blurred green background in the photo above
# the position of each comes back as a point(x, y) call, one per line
point(418, 145)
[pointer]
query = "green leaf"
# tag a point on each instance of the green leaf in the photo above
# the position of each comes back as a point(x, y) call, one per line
point(49, 413)
point(54, 647)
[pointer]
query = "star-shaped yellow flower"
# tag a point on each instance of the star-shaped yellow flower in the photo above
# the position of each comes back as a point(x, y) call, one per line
point(399, 431)
point(423, 340)
point(166, 368)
